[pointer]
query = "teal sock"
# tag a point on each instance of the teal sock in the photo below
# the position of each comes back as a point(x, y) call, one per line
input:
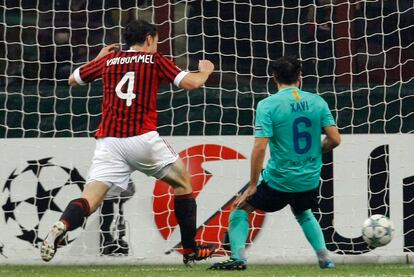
point(238, 231)
point(312, 230)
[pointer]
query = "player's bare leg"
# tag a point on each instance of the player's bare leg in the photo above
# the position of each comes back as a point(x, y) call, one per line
point(73, 217)
point(186, 213)
point(179, 178)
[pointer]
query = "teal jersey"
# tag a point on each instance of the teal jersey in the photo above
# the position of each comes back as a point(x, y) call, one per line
point(293, 119)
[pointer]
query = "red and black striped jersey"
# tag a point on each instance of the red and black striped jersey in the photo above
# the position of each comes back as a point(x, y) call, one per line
point(130, 82)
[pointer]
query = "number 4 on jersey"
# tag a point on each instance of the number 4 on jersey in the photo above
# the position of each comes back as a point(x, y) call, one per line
point(129, 95)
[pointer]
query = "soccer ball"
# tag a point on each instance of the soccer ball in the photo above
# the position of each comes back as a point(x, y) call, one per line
point(377, 230)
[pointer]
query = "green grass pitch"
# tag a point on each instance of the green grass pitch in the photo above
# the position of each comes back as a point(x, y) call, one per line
point(200, 270)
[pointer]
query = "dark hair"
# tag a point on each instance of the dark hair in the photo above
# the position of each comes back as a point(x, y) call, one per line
point(286, 70)
point(137, 31)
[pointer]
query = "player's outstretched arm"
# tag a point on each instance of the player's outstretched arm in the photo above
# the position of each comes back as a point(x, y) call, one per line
point(332, 139)
point(195, 80)
point(256, 166)
point(104, 51)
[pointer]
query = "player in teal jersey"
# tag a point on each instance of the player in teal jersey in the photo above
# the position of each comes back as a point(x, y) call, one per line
point(290, 122)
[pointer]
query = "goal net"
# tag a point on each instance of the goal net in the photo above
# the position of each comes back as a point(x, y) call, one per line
point(358, 55)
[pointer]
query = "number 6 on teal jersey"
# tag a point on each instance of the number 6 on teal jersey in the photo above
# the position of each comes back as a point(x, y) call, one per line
point(298, 135)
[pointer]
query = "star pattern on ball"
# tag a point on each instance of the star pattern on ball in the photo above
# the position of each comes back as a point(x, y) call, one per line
point(43, 200)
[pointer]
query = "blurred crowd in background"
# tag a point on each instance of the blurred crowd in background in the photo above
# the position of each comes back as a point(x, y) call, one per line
point(44, 40)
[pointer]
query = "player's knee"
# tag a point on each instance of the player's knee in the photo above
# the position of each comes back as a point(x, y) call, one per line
point(304, 216)
point(179, 178)
point(238, 214)
point(180, 184)
point(183, 188)
point(180, 181)
point(94, 193)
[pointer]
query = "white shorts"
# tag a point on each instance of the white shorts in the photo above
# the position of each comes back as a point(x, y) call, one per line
point(116, 158)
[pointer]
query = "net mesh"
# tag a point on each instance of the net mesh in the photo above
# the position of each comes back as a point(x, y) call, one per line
point(358, 56)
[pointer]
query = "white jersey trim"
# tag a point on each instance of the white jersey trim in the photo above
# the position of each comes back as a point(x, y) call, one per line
point(180, 76)
point(78, 79)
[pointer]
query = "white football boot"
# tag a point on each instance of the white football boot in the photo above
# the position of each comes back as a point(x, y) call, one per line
point(50, 244)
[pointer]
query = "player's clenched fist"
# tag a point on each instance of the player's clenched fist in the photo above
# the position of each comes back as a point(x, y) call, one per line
point(205, 66)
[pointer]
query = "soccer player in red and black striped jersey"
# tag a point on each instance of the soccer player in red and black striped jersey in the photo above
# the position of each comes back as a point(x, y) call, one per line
point(127, 138)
